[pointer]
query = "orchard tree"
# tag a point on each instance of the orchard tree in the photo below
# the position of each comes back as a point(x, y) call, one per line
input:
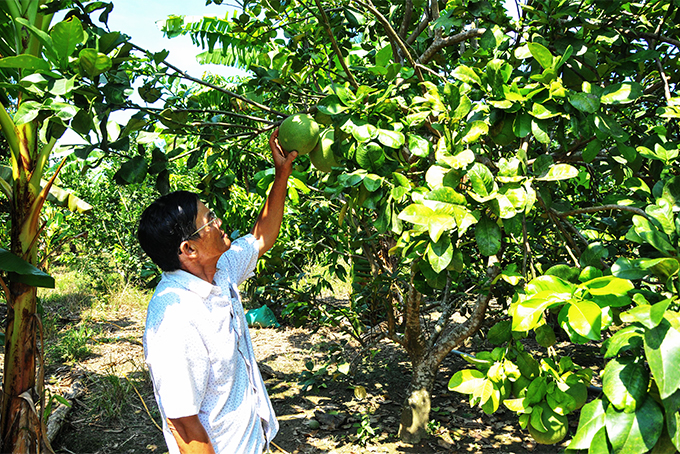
point(476, 152)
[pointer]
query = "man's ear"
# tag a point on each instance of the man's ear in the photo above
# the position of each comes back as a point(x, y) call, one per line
point(187, 250)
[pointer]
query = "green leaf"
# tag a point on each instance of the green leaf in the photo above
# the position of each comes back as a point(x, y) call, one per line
point(132, 171)
point(608, 285)
point(544, 112)
point(384, 56)
point(447, 195)
point(416, 214)
point(641, 314)
point(25, 61)
point(440, 254)
point(331, 105)
point(662, 348)
point(649, 233)
point(93, 63)
point(539, 128)
point(634, 432)
point(392, 139)
point(24, 272)
point(474, 131)
point(585, 318)
point(481, 179)
point(439, 222)
point(66, 199)
point(552, 284)
point(585, 102)
point(521, 126)
point(370, 155)
point(591, 421)
point(27, 112)
point(639, 268)
point(467, 75)
point(364, 132)
point(43, 37)
point(625, 383)
point(621, 93)
point(66, 36)
point(466, 381)
point(608, 125)
point(559, 172)
point(629, 338)
point(372, 182)
point(488, 236)
point(671, 406)
point(419, 146)
point(541, 54)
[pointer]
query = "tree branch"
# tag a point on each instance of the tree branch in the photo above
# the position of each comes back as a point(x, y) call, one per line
point(648, 36)
point(186, 76)
point(406, 21)
point(422, 25)
point(201, 124)
point(207, 111)
point(413, 333)
point(392, 35)
point(452, 336)
point(556, 220)
point(638, 211)
point(441, 43)
point(334, 43)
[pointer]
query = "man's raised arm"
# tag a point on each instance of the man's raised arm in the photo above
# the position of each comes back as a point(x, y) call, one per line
point(268, 224)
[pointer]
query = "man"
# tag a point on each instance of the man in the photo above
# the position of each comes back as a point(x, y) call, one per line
point(206, 381)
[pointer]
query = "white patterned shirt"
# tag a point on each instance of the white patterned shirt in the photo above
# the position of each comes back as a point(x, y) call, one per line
point(198, 350)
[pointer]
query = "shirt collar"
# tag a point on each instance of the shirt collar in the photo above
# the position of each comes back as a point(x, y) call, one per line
point(190, 282)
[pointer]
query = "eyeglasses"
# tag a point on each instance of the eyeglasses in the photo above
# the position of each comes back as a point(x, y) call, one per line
point(211, 220)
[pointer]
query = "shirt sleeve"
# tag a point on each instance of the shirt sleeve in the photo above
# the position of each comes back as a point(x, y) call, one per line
point(178, 361)
point(240, 260)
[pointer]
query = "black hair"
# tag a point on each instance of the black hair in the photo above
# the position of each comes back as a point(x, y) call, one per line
point(165, 224)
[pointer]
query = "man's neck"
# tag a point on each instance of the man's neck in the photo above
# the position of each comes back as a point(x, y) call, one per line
point(202, 271)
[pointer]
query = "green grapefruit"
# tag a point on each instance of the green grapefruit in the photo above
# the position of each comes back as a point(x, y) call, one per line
point(299, 132)
point(322, 155)
point(556, 426)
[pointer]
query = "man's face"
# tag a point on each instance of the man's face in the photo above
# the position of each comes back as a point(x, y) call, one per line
point(213, 241)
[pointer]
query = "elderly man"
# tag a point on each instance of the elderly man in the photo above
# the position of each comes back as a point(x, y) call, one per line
point(196, 343)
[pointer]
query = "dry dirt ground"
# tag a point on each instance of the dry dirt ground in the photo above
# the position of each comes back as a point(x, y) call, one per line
point(116, 411)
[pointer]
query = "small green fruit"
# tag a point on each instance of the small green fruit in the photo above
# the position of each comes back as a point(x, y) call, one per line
point(299, 132)
point(556, 426)
point(322, 155)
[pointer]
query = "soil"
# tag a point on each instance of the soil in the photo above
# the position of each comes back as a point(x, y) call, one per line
point(116, 412)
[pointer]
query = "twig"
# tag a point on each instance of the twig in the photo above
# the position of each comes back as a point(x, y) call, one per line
point(655, 36)
point(440, 43)
point(199, 124)
point(638, 211)
point(278, 447)
point(422, 25)
point(184, 75)
point(394, 37)
point(207, 111)
point(452, 336)
point(334, 43)
point(143, 403)
point(664, 80)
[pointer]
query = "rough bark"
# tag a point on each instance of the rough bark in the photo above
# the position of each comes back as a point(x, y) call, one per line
point(415, 413)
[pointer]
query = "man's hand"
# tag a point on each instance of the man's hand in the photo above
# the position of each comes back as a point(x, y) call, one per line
point(282, 162)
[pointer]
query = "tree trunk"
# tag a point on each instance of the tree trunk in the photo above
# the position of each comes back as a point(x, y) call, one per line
point(19, 415)
point(21, 424)
point(415, 412)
